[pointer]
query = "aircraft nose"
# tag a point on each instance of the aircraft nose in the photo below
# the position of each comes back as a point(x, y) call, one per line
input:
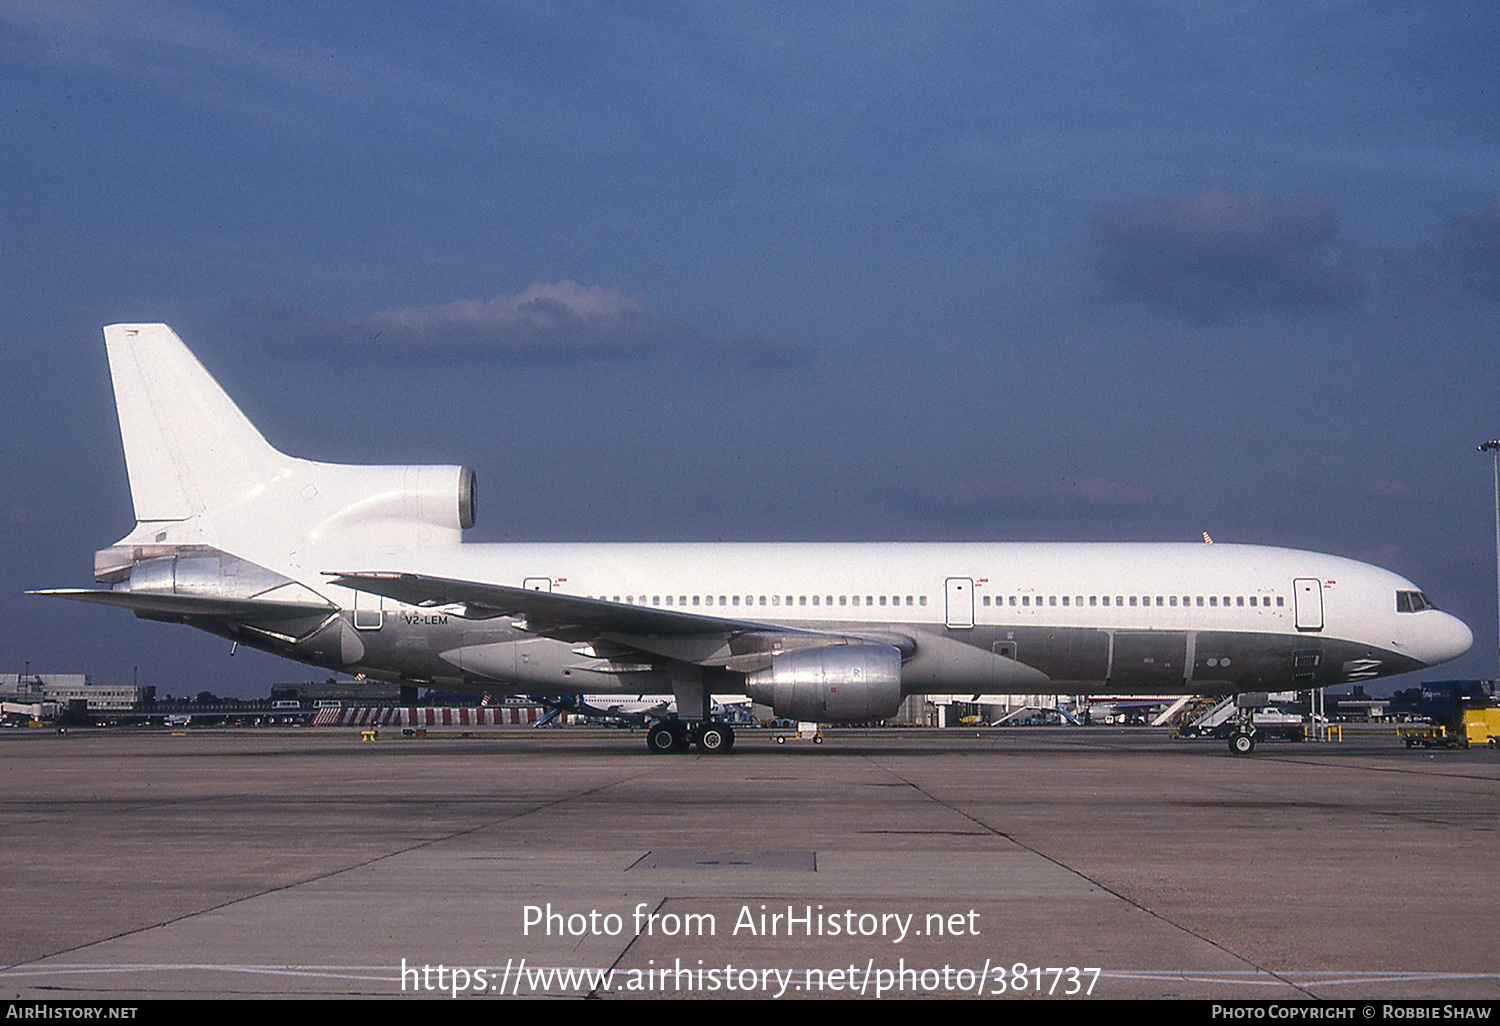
point(1441, 638)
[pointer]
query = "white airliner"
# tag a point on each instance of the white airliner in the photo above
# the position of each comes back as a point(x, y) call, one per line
point(640, 710)
point(361, 569)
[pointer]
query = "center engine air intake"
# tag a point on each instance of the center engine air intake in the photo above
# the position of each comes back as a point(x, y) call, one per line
point(837, 684)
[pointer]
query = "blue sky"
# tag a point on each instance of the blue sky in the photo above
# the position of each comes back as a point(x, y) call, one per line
point(698, 271)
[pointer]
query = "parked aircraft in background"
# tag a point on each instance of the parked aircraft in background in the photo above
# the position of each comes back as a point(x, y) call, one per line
point(636, 710)
point(362, 569)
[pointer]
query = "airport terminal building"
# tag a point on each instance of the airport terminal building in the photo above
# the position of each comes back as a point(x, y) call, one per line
point(62, 688)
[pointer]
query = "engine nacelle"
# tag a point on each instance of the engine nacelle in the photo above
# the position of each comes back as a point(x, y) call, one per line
point(379, 506)
point(837, 684)
point(439, 497)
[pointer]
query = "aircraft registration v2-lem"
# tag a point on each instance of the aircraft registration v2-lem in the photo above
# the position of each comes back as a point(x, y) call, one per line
point(363, 570)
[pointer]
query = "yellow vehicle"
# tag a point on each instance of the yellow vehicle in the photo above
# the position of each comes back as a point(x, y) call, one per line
point(1482, 726)
point(1428, 735)
point(1478, 725)
point(806, 731)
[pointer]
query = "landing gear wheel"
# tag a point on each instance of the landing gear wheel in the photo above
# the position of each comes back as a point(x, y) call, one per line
point(1241, 742)
point(662, 739)
point(713, 739)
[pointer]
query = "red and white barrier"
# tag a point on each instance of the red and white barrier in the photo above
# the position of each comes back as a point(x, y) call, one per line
point(412, 716)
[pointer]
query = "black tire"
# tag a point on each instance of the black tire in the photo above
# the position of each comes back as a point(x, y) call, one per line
point(662, 740)
point(712, 740)
point(728, 736)
point(780, 739)
point(1241, 743)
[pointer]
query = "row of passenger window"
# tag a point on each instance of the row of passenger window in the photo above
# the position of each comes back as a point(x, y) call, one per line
point(1159, 601)
point(682, 601)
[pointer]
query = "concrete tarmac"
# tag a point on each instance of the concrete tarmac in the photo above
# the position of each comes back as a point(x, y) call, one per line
point(1106, 861)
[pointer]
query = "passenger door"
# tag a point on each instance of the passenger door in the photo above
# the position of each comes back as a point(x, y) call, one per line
point(1307, 598)
point(960, 602)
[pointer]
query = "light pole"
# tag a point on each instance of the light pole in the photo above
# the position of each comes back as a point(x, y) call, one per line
point(1493, 448)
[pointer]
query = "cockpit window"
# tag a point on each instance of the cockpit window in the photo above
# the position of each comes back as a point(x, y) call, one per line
point(1412, 602)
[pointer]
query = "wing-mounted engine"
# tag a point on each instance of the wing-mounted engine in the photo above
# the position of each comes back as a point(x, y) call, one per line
point(834, 684)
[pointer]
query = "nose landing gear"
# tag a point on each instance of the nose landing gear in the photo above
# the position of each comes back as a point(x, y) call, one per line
point(1242, 732)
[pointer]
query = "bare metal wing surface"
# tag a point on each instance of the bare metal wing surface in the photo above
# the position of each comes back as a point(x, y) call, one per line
point(546, 612)
point(669, 633)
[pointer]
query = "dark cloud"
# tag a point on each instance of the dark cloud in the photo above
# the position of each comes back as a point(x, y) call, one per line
point(1218, 253)
point(1471, 245)
point(1080, 499)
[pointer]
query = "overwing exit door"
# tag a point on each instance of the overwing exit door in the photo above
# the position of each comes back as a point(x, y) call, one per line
point(369, 611)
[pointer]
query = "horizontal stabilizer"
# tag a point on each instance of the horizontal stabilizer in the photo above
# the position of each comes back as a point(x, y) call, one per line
point(192, 605)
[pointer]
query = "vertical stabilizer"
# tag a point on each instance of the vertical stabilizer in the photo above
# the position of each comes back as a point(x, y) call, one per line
point(185, 440)
point(186, 443)
point(202, 475)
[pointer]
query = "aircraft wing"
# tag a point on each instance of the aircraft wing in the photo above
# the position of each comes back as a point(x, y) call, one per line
point(546, 612)
point(692, 637)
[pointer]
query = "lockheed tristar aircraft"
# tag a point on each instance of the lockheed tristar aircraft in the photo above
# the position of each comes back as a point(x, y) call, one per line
point(362, 569)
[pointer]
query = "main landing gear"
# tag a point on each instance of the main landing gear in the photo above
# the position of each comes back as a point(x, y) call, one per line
point(678, 735)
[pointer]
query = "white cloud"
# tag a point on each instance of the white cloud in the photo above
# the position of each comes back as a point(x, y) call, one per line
point(562, 315)
point(546, 321)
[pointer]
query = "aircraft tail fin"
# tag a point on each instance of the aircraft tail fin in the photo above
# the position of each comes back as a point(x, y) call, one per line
point(201, 474)
point(186, 442)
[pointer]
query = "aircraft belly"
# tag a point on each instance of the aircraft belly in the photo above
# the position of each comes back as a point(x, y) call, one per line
point(966, 660)
point(1144, 659)
point(1167, 661)
point(1283, 661)
point(1064, 653)
point(544, 666)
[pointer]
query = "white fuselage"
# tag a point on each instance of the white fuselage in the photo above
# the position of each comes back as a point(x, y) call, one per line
point(1159, 616)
